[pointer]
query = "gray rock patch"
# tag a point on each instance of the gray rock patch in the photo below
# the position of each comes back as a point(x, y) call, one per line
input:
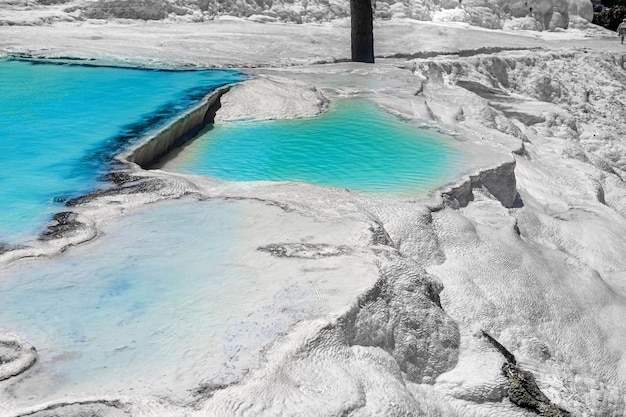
point(304, 250)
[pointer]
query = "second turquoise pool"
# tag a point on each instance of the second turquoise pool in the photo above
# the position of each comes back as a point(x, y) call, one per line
point(355, 145)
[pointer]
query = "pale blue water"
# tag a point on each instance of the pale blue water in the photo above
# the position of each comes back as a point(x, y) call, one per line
point(164, 295)
point(121, 307)
point(61, 124)
point(356, 145)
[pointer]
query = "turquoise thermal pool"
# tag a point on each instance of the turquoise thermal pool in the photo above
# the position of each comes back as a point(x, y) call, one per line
point(61, 125)
point(356, 145)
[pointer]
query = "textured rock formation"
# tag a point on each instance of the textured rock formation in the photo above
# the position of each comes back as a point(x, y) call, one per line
point(402, 315)
point(494, 14)
point(524, 392)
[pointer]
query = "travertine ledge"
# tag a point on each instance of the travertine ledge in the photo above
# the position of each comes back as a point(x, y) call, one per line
point(499, 181)
point(177, 132)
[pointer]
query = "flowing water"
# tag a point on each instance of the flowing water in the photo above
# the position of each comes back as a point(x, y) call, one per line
point(356, 145)
point(60, 125)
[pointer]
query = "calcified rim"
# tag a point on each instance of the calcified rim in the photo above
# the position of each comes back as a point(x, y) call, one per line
point(23, 357)
point(184, 128)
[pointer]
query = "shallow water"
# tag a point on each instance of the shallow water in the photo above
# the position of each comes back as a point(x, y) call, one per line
point(132, 308)
point(60, 126)
point(171, 296)
point(356, 145)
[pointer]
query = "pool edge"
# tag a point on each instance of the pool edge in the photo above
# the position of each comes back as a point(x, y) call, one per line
point(177, 132)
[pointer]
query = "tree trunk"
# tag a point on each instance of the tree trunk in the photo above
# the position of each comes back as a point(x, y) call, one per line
point(362, 31)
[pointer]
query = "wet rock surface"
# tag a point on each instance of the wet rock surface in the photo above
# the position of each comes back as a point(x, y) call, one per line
point(62, 225)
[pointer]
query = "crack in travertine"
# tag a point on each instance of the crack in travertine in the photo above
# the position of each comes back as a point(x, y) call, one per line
point(522, 388)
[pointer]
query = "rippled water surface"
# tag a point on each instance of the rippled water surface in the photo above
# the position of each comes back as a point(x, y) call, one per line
point(61, 124)
point(356, 145)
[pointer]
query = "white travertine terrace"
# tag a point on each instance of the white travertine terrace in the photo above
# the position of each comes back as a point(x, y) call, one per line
point(532, 257)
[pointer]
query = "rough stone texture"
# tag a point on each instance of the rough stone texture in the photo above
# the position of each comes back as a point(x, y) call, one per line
point(380, 236)
point(304, 250)
point(61, 225)
point(499, 182)
point(538, 277)
point(524, 392)
point(561, 98)
point(522, 388)
point(396, 329)
point(402, 314)
point(494, 14)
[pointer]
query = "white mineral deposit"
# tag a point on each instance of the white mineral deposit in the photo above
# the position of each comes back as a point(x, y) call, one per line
point(502, 293)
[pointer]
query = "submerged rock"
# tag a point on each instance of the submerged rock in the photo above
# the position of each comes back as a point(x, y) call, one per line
point(522, 387)
point(61, 225)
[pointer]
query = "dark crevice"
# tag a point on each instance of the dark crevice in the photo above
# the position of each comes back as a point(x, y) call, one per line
point(504, 351)
point(522, 387)
point(61, 225)
point(134, 186)
point(518, 202)
point(524, 392)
